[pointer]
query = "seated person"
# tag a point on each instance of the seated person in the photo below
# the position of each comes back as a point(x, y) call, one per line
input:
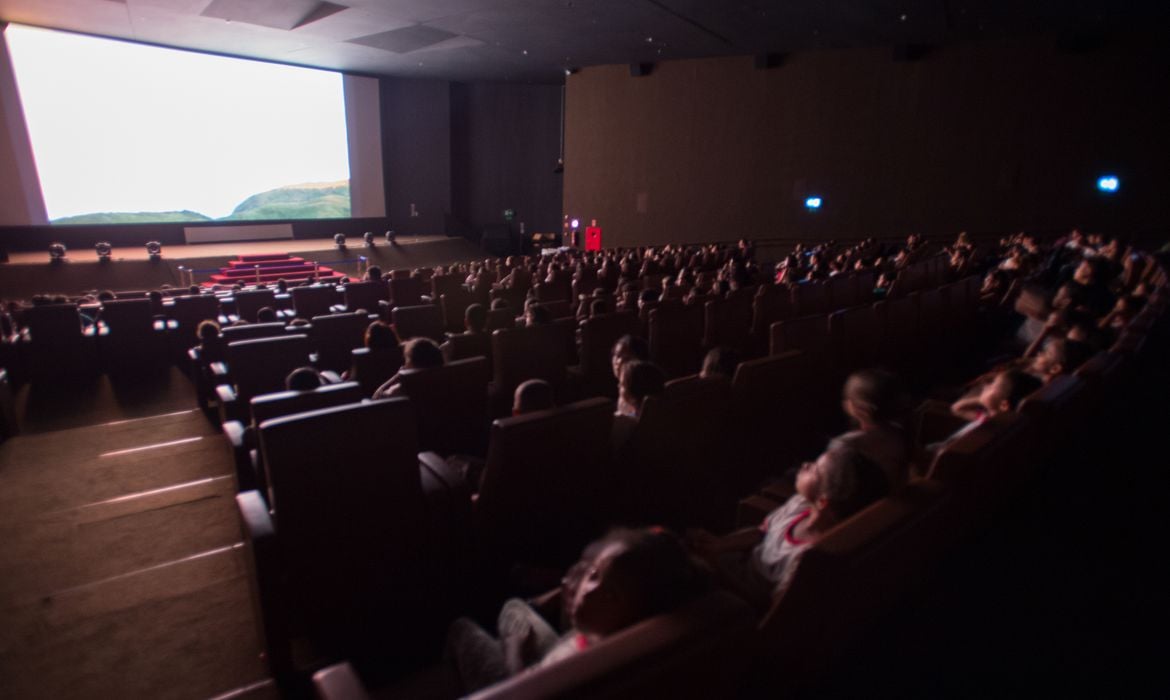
point(532, 395)
point(1002, 394)
point(379, 336)
point(474, 319)
point(417, 353)
point(758, 562)
point(876, 404)
point(639, 379)
point(266, 315)
point(1059, 356)
point(537, 315)
point(303, 379)
point(625, 578)
point(627, 348)
point(211, 345)
point(720, 362)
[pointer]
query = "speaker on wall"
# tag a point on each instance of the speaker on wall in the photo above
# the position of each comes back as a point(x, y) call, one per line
point(640, 70)
point(764, 61)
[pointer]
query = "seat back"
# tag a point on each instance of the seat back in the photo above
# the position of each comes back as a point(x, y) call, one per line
point(454, 304)
point(672, 465)
point(260, 366)
point(676, 338)
point(598, 335)
point(348, 505)
point(699, 651)
point(857, 335)
point(809, 334)
point(846, 583)
point(128, 317)
point(811, 298)
point(728, 322)
point(285, 403)
point(420, 321)
point(191, 310)
point(464, 346)
point(335, 336)
point(53, 324)
point(902, 331)
point(366, 295)
point(498, 319)
point(248, 303)
point(548, 483)
point(775, 405)
point(252, 331)
point(373, 368)
point(450, 405)
point(559, 308)
point(406, 291)
point(773, 302)
point(532, 352)
point(309, 302)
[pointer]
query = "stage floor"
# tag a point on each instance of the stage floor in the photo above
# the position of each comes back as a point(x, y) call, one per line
point(195, 251)
point(131, 268)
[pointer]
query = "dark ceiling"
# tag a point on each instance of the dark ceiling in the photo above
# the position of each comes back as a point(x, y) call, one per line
point(536, 40)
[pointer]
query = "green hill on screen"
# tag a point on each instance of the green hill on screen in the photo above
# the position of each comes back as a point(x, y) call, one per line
point(322, 200)
point(133, 217)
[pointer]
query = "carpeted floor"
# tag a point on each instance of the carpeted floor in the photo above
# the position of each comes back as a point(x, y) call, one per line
point(121, 569)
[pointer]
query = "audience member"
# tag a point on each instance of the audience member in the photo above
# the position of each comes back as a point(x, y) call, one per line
point(532, 395)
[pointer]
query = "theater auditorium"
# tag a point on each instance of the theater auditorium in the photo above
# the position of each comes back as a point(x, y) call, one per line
point(578, 349)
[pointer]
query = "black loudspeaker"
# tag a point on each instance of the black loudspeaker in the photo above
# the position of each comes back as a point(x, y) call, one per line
point(641, 70)
point(764, 61)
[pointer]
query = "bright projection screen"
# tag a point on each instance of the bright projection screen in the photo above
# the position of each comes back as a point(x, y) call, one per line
point(128, 133)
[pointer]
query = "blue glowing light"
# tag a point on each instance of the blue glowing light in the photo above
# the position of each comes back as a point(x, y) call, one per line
point(1108, 183)
point(813, 203)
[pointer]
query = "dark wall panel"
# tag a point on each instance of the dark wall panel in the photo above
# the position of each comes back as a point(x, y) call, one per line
point(505, 139)
point(988, 137)
point(416, 153)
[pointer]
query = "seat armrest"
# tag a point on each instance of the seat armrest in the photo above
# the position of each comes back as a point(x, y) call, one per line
point(229, 405)
point(266, 569)
point(255, 519)
point(194, 354)
point(339, 682)
point(220, 370)
point(445, 473)
point(241, 439)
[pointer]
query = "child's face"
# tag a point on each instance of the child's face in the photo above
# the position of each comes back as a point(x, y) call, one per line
point(598, 605)
point(995, 396)
point(808, 479)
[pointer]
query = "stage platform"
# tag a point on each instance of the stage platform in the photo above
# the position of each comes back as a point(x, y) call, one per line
point(131, 268)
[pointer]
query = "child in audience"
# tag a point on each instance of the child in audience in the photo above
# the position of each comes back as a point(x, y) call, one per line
point(1000, 395)
point(211, 345)
point(266, 315)
point(627, 348)
point(877, 405)
point(417, 353)
point(303, 379)
point(532, 395)
point(1060, 356)
point(757, 562)
point(720, 362)
point(639, 379)
point(625, 578)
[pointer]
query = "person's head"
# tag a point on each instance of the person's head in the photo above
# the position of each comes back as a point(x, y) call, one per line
point(373, 273)
point(421, 353)
point(475, 318)
point(380, 336)
point(629, 576)
point(194, 289)
point(532, 395)
point(106, 295)
point(627, 348)
point(873, 397)
point(599, 307)
point(1060, 356)
point(537, 315)
point(648, 296)
point(208, 331)
point(841, 481)
point(1087, 272)
point(1005, 392)
point(303, 379)
point(719, 362)
point(500, 303)
point(639, 379)
point(282, 285)
point(266, 315)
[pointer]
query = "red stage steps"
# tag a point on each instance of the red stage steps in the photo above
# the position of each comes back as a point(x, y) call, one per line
point(270, 267)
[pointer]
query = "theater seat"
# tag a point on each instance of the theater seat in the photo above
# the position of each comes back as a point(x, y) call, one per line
point(676, 338)
point(420, 321)
point(407, 291)
point(316, 300)
point(374, 367)
point(454, 303)
point(598, 336)
point(548, 484)
point(128, 337)
point(357, 557)
point(248, 303)
point(252, 331)
point(256, 367)
point(450, 405)
point(52, 344)
point(335, 336)
point(242, 435)
point(464, 346)
point(365, 296)
point(188, 312)
point(532, 352)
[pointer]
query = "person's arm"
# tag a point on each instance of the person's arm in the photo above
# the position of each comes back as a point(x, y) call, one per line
point(706, 543)
point(388, 389)
point(968, 408)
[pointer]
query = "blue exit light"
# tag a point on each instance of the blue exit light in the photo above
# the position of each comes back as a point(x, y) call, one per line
point(813, 203)
point(1108, 184)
